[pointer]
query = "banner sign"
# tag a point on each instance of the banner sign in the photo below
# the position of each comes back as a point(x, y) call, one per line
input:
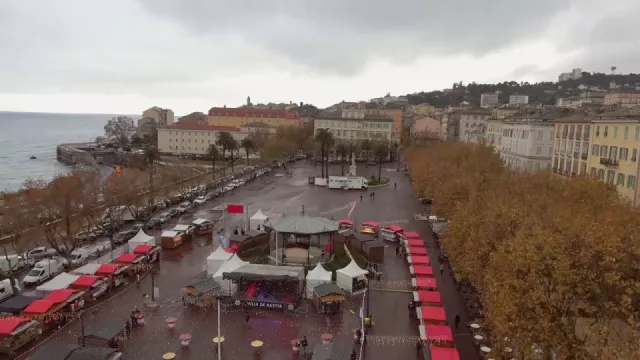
point(264, 305)
point(235, 209)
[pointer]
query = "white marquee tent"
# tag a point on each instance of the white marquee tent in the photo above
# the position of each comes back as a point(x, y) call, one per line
point(316, 277)
point(258, 218)
point(141, 238)
point(216, 259)
point(61, 281)
point(227, 286)
point(349, 276)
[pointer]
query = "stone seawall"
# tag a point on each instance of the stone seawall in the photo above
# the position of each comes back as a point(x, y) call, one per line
point(90, 155)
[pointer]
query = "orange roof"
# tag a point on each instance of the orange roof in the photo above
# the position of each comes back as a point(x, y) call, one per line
point(189, 125)
point(254, 113)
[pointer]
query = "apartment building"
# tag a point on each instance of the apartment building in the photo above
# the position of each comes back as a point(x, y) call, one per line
point(424, 110)
point(527, 141)
point(162, 117)
point(572, 145)
point(517, 99)
point(236, 117)
point(614, 151)
point(462, 122)
point(192, 138)
point(489, 100)
point(493, 133)
point(426, 127)
point(395, 113)
point(622, 98)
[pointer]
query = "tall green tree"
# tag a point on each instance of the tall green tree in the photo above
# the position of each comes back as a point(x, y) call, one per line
point(214, 154)
point(223, 141)
point(380, 153)
point(366, 146)
point(233, 147)
point(149, 157)
point(324, 137)
point(248, 146)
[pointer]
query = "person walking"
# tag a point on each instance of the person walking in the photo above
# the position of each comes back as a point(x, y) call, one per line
point(247, 317)
point(127, 329)
point(441, 269)
point(360, 197)
point(395, 186)
point(457, 320)
point(304, 343)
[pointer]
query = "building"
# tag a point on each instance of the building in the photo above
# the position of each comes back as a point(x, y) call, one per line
point(462, 122)
point(614, 151)
point(622, 98)
point(575, 74)
point(423, 110)
point(162, 117)
point(489, 100)
point(493, 133)
point(586, 97)
point(192, 138)
point(236, 117)
point(527, 141)
point(146, 127)
point(356, 125)
point(394, 112)
point(197, 117)
point(258, 128)
point(426, 127)
point(571, 145)
point(504, 112)
point(518, 99)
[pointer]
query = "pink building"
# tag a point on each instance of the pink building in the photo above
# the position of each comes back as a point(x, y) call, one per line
point(426, 127)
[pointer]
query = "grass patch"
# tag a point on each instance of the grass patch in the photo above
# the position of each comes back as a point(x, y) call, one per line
point(373, 181)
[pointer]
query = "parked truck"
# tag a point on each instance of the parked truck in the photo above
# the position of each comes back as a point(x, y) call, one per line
point(348, 182)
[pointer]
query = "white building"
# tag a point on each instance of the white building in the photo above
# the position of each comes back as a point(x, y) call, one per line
point(575, 74)
point(493, 133)
point(192, 138)
point(527, 143)
point(354, 125)
point(517, 99)
point(162, 117)
point(489, 99)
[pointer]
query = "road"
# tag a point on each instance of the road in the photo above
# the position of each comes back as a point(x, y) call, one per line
point(276, 195)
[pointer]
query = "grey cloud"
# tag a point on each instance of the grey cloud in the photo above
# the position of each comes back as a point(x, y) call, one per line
point(338, 36)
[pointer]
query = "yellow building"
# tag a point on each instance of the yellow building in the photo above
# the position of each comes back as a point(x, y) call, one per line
point(571, 146)
point(614, 151)
point(423, 110)
point(238, 117)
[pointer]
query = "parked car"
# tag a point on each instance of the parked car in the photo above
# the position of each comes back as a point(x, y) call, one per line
point(184, 207)
point(39, 253)
point(42, 271)
point(137, 227)
point(173, 213)
point(200, 200)
point(229, 187)
point(12, 263)
point(153, 222)
point(163, 217)
point(123, 236)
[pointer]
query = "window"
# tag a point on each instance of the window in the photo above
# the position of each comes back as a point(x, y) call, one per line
point(615, 132)
point(611, 175)
point(637, 136)
point(540, 135)
point(539, 150)
point(624, 152)
point(620, 180)
point(626, 132)
point(631, 182)
point(579, 132)
point(557, 146)
point(592, 172)
point(603, 151)
point(595, 149)
point(606, 131)
point(601, 174)
point(587, 132)
point(597, 130)
point(613, 153)
point(634, 154)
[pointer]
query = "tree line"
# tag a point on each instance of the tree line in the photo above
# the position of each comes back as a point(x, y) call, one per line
point(554, 262)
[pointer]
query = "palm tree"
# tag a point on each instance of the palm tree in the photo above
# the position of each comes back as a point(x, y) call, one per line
point(223, 139)
point(149, 157)
point(232, 146)
point(380, 153)
point(215, 155)
point(341, 148)
point(323, 137)
point(248, 145)
point(366, 146)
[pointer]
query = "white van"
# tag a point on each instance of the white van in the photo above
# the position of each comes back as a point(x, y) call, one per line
point(14, 263)
point(6, 291)
point(43, 271)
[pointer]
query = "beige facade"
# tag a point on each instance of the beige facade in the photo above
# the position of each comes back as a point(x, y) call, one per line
point(423, 110)
point(571, 146)
point(493, 133)
point(192, 138)
point(354, 125)
point(162, 117)
point(426, 126)
point(622, 98)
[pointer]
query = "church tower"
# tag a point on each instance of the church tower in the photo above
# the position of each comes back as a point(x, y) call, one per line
point(248, 101)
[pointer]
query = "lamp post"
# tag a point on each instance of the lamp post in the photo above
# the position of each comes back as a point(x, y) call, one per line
point(219, 344)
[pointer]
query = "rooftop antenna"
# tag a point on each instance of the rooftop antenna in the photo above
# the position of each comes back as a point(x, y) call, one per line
point(613, 70)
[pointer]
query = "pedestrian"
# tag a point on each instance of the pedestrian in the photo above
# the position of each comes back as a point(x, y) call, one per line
point(457, 320)
point(127, 329)
point(395, 185)
point(184, 301)
point(358, 336)
point(242, 231)
point(353, 355)
point(360, 197)
point(374, 195)
point(441, 269)
point(419, 346)
point(412, 306)
point(235, 231)
point(397, 250)
point(304, 343)
point(138, 278)
point(247, 317)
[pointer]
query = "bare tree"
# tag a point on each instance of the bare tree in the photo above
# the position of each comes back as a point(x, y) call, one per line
point(14, 223)
point(120, 129)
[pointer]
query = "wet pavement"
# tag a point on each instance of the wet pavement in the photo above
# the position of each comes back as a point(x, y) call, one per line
point(276, 195)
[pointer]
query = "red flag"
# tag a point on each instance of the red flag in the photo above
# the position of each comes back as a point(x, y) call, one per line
point(235, 209)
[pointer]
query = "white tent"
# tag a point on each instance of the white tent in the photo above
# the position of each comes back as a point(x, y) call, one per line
point(62, 281)
point(87, 269)
point(258, 218)
point(227, 287)
point(316, 277)
point(349, 276)
point(216, 259)
point(141, 238)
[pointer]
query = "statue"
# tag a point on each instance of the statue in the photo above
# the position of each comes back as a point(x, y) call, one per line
point(352, 167)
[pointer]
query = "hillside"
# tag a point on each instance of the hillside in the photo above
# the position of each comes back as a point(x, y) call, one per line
point(543, 92)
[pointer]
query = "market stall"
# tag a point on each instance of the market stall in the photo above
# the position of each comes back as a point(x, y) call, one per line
point(109, 335)
point(141, 238)
point(248, 240)
point(73, 300)
point(150, 252)
point(96, 353)
point(414, 243)
point(16, 304)
point(201, 293)
point(316, 277)
point(370, 227)
point(131, 260)
point(115, 273)
point(439, 335)
point(47, 312)
point(203, 226)
point(421, 271)
point(392, 232)
point(418, 260)
point(351, 278)
point(226, 286)
point(257, 220)
point(61, 281)
point(216, 259)
point(171, 239)
point(427, 298)
point(431, 315)
point(345, 224)
point(16, 332)
point(328, 298)
point(87, 269)
point(408, 235)
point(93, 286)
point(356, 240)
point(424, 283)
point(420, 251)
point(374, 251)
point(442, 353)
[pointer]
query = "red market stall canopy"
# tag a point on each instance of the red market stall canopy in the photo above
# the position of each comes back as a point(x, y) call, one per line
point(142, 249)
point(431, 313)
point(127, 258)
point(345, 222)
point(427, 297)
point(60, 295)
point(371, 223)
point(441, 353)
point(421, 270)
point(39, 307)
point(415, 243)
point(108, 269)
point(86, 281)
point(9, 324)
point(424, 283)
point(411, 235)
point(418, 260)
point(395, 228)
point(436, 333)
point(412, 250)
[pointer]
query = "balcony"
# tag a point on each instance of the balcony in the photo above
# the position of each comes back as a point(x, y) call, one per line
point(576, 154)
point(571, 136)
point(578, 136)
point(564, 136)
point(584, 156)
point(609, 162)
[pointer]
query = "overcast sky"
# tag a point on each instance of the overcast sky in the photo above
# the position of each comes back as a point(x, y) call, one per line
point(89, 56)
